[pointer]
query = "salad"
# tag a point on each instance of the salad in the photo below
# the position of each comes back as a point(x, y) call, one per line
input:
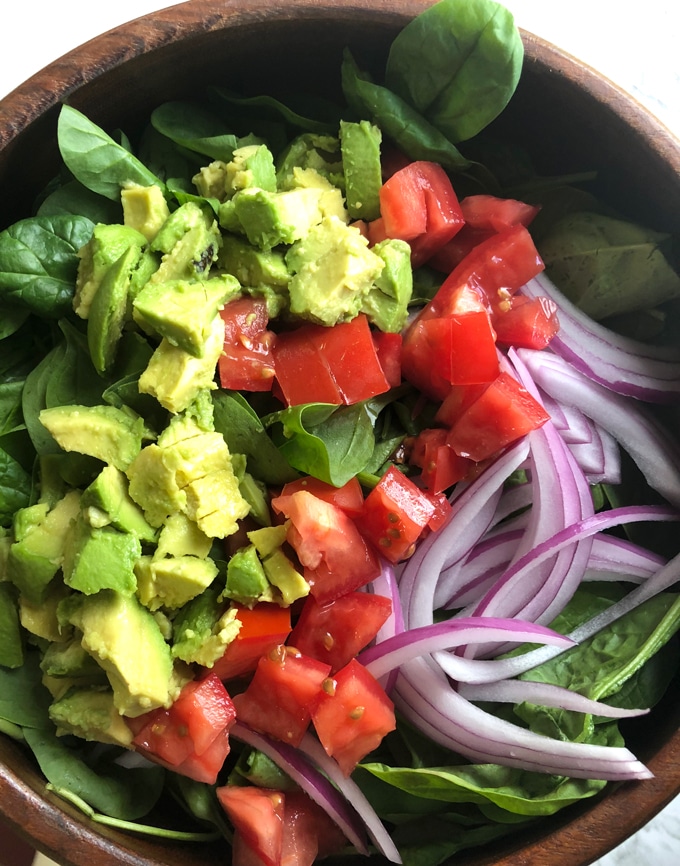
point(336, 515)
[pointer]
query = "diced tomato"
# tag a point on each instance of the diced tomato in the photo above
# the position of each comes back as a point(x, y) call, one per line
point(334, 554)
point(277, 700)
point(395, 514)
point(457, 400)
point(329, 365)
point(192, 736)
point(309, 832)
point(351, 715)
point(257, 815)
point(454, 251)
point(388, 347)
point(503, 413)
point(246, 363)
point(490, 213)
point(418, 204)
point(349, 497)
point(376, 231)
point(263, 627)
point(529, 323)
point(336, 632)
point(441, 466)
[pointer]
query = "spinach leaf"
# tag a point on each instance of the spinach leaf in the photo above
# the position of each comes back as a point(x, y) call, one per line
point(409, 129)
point(15, 484)
point(23, 698)
point(95, 159)
point(74, 198)
point(458, 64)
point(262, 105)
point(39, 262)
point(195, 128)
point(11, 319)
point(329, 442)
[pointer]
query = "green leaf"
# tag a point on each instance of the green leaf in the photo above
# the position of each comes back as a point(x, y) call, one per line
point(23, 698)
point(74, 198)
point(326, 119)
point(39, 262)
point(458, 64)
point(15, 485)
point(409, 129)
point(195, 128)
point(95, 159)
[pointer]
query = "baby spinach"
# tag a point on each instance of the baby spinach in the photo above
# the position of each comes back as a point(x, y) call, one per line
point(457, 63)
point(195, 128)
point(95, 159)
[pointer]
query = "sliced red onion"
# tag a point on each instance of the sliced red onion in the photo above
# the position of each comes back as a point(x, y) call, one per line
point(637, 431)
point(626, 366)
point(386, 585)
point(296, 765)
point(622, 559)
point(545, 695)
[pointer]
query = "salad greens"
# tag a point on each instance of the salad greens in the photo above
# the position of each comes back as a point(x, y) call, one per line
point(442, 86)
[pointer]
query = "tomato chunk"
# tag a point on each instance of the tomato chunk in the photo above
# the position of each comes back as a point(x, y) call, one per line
point(503, 413)
point(528, 323)
point(491, 213)
point(262, 628)
point(246, 363)
point(278, 699)
point(352, 715)
point(441, 466)
point(258, 818)
point(388, 346)
point(336, 632)
point(349, 497)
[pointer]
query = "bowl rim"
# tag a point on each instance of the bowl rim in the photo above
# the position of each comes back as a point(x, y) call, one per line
point(81, 839)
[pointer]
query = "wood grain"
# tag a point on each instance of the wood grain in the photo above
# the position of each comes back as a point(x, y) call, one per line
point(570, 118)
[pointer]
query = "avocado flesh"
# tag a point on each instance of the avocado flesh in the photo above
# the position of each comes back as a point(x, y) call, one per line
point(204, 628)
point(144, 209)
point(109, 495)
point(360, 147)
point(90, 714)
point(386, 303)
point(170, 582)
point(97, 558)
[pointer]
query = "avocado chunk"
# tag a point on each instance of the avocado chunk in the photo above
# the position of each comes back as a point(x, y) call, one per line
point(90, 714)
point(100, 558)
point(360, 148)
point(70, 659)
point(189, 241)
point(271, 218)
point(386, 304)
point(331, 199)
point(172, 581)
point(250, 166)
point(110, 434)
point(311, 150)
point(40, 618)
point(11, 640)
point(182, 311)
point(174, 377)
point(106, 246)
point(252, 266)
point(333, 272)
point(109, 310)
point(182, 537)
point(38, 551)
point(246, 581)
point(282, 574)
point(203, 629)
point(114, 627)
point(144, 209)
point(268, 538)
point(108, 501)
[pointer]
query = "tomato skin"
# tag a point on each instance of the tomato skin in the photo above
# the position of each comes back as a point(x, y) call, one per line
point(490, 213)
point(349, 498)
point(395, 514)
point(388, 346)
point(351, 715)
point(277, 700)
point(192, 736)
point(503, 413)
point(529, 323)
point(246, 363)
point(334, 554)
point(309, 832)
point(262, 628)
point(313, 364)
point(257, 815)
point(441, 466)
point(336, 632)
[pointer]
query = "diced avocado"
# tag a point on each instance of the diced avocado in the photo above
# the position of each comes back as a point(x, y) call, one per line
point(268, 539)
point(386, 304)
point(174, 377)
point(107, 245)
point(11, 641)
point(360, 147)
point(285, 577)
point(108, 311)
point(110, 434)
point(252, 266)
point(216, 504)
point(211, 180)
point(255, 494)
point(246, 581)
point(147, 265)
point(37, 554)
point(109, 496)
point(271, 218)
point(172, 581)
point(40, 617)
point(189, 240)
point(182, 311)
point(90, 714)
point(144, 209)
point(250, 166)
point(203, 628)
point(100, 558)
point(331, 200)
point(333, 271)
point(70, 659)
point(182, 537)
point(310, 150)
point(153, 486)
point(114, 627)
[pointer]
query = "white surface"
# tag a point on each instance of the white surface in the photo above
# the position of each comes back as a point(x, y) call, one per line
point(634, 45)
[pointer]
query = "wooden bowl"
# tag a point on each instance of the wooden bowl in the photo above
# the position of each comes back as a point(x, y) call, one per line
point(571, 119)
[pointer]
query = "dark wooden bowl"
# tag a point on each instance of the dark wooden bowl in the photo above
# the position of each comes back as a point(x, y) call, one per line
point(571, 119)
